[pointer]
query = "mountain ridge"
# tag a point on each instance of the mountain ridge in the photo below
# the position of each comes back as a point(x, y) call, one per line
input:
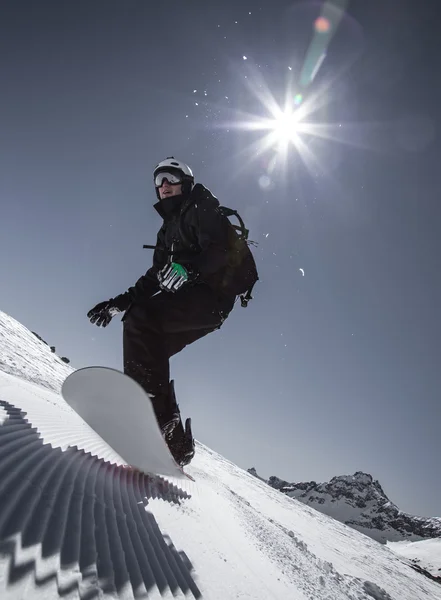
point(359, 501)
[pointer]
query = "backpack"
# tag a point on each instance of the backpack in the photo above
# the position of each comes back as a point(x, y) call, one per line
point(241, 272)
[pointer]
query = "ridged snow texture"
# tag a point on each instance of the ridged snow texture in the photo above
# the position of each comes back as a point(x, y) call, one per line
point(86, 510)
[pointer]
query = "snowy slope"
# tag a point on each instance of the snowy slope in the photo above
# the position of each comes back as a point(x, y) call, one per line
point(24, 355)
point(425, 554)
point(244, 539)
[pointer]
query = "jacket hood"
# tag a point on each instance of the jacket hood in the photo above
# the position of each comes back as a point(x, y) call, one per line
point(200, 194)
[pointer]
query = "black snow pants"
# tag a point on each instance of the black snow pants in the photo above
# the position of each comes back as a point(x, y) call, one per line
point(161, 327)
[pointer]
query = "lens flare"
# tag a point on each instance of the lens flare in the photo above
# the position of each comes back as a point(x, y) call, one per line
point(325, 27)
point(322, 25)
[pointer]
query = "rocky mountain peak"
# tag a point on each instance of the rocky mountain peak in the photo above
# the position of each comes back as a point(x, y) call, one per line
point(359, 501)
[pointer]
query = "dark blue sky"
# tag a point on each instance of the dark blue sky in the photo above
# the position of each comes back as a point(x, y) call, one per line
point(324, 374)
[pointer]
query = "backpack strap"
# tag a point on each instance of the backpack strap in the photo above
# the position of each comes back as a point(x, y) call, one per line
point(230, 212)
point(245, 298)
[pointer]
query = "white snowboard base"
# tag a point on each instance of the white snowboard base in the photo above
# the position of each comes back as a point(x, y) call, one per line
point(120, 411)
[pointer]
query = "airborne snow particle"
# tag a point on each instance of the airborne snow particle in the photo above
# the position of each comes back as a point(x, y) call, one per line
point(244, 57)
point(302, 272)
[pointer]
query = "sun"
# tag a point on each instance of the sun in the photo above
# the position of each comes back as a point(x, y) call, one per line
point(284, 131)
point(289, 123)
point(285, 127)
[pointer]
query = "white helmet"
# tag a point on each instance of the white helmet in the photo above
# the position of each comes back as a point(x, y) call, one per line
point(171, 164)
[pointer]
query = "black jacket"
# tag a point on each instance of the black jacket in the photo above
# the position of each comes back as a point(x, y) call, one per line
point(195, 234)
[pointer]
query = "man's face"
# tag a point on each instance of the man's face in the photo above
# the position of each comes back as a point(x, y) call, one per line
point(168, 189)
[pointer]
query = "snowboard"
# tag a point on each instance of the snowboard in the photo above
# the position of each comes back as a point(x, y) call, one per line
point(121, 413)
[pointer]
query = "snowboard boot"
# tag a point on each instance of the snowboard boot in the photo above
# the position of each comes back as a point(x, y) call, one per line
point(167, 411)
point(179, 439)
point(181, 443)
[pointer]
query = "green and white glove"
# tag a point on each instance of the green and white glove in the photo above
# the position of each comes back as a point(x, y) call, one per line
point(172, 277)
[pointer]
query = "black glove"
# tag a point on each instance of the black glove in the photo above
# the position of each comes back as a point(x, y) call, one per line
point(102, 313)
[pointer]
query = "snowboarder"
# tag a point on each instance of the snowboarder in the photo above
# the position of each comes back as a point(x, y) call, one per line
point(199, 268)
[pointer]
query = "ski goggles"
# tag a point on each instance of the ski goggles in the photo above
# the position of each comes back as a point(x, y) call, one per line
point(172, 177)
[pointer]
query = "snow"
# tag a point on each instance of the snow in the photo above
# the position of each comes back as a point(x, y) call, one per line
point(425, 553)
point(244, 539)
